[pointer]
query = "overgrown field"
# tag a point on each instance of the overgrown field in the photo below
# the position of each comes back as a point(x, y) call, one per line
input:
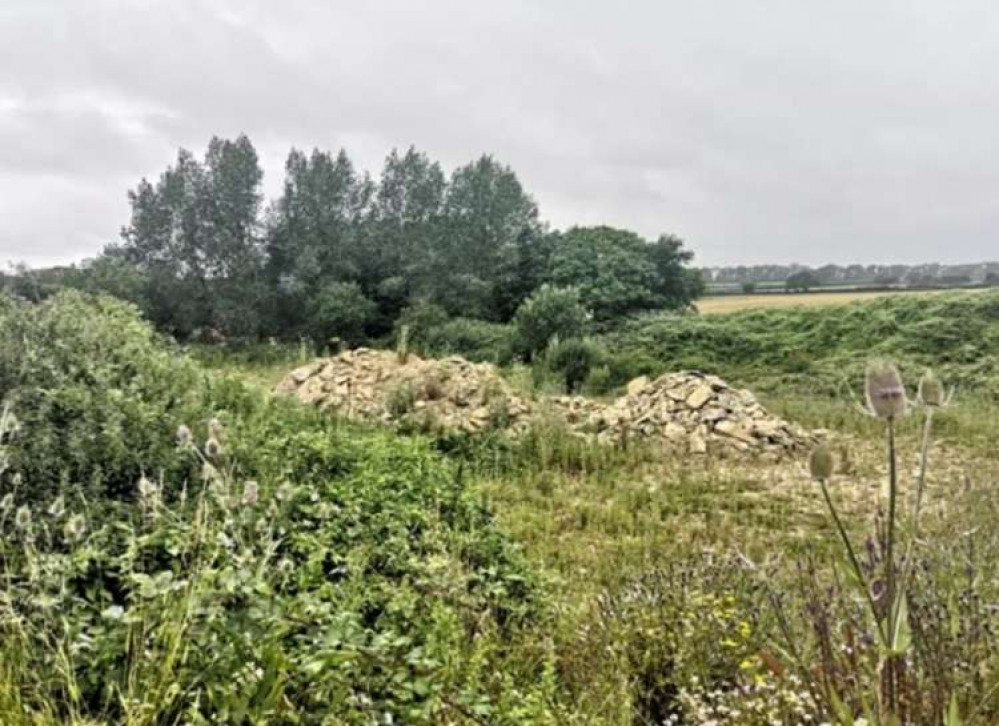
point(178, 547)
point(818, 350)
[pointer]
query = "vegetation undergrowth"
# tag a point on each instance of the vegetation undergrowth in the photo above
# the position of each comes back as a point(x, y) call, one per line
point(179, 548)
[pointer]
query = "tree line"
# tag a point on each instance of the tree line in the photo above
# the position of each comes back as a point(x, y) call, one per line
point(911, 275)
point(340, 253)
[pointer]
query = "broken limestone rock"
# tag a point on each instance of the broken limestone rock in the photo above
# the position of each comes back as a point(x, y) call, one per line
point(688, 412)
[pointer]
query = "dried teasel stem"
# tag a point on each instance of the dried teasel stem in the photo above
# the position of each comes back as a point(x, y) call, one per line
point(821, 465)
point(890, 586)
point(851, 553)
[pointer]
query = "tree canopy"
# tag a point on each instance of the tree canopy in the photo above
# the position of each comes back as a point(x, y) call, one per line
point(340, 253)
point(617, 272)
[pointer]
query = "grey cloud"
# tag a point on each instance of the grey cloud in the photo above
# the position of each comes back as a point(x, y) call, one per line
point(784, 131)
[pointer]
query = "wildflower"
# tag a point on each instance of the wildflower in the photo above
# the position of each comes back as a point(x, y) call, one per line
point(213, 449)
point(931, 391)
point(183, 436)
point(147, 489)
point(75, 527)
point(885, 390)
point(22, 520)
point(57, 508)
point(250, 493)
point(113, 612)
point(822, 463)
point(7, 502)
point(283, 493)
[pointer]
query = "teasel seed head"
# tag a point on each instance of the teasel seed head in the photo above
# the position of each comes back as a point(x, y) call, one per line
point(251, 493)
point(213, 449)
point(74, 528)
point(931, 390)
point(885, 390)
point(215, 430)
point(284, 492)
point(147, 489)
point(822, 463)
point(22, 519)
point(183, 436)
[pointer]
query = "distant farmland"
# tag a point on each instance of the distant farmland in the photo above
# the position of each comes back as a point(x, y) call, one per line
point(718, 304)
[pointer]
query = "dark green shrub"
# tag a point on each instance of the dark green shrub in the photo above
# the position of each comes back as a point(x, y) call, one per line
point(573, 359)
point(549, 312)
point(476, 340)
point(341, 310)
point(419, 319)
point(98, 395)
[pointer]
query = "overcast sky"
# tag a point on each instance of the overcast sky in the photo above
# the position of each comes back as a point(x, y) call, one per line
point(770, 131)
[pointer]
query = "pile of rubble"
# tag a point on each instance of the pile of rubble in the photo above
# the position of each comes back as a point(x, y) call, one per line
point(372, 385)
point(687, 412)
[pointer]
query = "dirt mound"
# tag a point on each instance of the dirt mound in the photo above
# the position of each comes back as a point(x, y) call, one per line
point(687, 411)
point(450, 393)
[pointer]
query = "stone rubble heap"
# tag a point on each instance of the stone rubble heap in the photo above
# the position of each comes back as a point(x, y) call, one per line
point(373, 385)
point(684, 412)
point(687, 411)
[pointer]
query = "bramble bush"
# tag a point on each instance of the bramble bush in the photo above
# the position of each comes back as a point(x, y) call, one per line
point(288, 569)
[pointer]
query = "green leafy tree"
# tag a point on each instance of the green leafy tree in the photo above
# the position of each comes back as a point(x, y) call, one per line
point(313, 233)
point(404, 230)
point(549, 312)
point(341, 310)
point(802, 281)
point(617, 272)
point(612, 269)
point(489, 219)
point(676, 285)
point(195, 234)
